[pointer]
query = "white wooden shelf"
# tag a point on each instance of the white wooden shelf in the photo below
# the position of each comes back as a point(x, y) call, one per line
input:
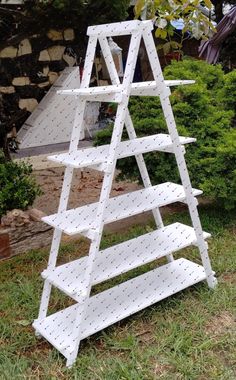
point(113, 93)
point(65, 329)
point(121, 258)
point(99, 155)
point(119, 302)
point(81, 219)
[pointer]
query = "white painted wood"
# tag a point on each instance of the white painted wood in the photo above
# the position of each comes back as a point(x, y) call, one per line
point(99, 155)
point(119, 28)
point(131, 131)
point(119, 302)
point(107, 182)
point(82, 220)
point(66, 328)
point(77, 132)
point(179, 154)
point(56, 241)
point(122, 257)
point(106, 93)
point(115, 80)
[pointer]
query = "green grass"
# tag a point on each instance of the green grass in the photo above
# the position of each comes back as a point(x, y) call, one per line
point(188, 336)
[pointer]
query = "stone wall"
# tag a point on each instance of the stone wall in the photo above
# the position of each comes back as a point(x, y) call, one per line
point(29, 68)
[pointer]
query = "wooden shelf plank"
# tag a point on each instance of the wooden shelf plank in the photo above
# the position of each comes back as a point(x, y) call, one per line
point(81, 220)
point(121, 258)
point(114, 92)
point(119, 302)
point(98, 155)
point(118, 28)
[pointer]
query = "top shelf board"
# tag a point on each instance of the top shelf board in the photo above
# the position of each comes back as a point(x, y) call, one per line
point(119, 28)
point(114, 92)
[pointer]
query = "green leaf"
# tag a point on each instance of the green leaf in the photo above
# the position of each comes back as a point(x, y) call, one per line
point(208, 4)
point(161, 33)
point(175, 45)
point(166, 47)
point(160, 46)
point(164, 34)
point(139, 7)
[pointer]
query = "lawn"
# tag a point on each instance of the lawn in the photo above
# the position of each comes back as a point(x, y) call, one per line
point(188, 336)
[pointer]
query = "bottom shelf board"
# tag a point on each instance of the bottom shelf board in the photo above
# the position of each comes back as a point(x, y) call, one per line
point(117, 303)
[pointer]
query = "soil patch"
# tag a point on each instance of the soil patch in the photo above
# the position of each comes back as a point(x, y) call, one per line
point(221, 323)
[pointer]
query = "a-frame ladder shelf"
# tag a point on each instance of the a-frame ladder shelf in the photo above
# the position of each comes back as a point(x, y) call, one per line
point(90, 314)
point(119, 302)
point(122, 258)
point(81, 219)
point(99, 155)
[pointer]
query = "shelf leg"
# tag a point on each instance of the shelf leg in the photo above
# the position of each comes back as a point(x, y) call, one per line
point(106, 188)
point(55, 243)
point(179, 155)
point(45, 300)
point(190, 199)
point(51, 264)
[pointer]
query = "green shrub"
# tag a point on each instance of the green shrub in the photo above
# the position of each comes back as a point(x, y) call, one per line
point(227, 95)
point(200, 71)
point(18, 188)
point(200, 112)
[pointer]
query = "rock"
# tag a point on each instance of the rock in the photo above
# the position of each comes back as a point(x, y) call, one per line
point(5, 250)
point(55, 35)
point(44, 84)
point(35, 215)
point(69, 34)
point(44, 56)
point(21, 81)
point(56, 52)
point(33, 235)
point(15, 218)
point(8, 52)
point(52, 77)
point(24, 47)
point(68, 59)
point(7, 90)
point(28, 104)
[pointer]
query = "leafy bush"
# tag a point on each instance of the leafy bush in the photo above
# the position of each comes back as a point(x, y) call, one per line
point(18, 188)
point(227, 95)
point(200, 112)
point(200, 71)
